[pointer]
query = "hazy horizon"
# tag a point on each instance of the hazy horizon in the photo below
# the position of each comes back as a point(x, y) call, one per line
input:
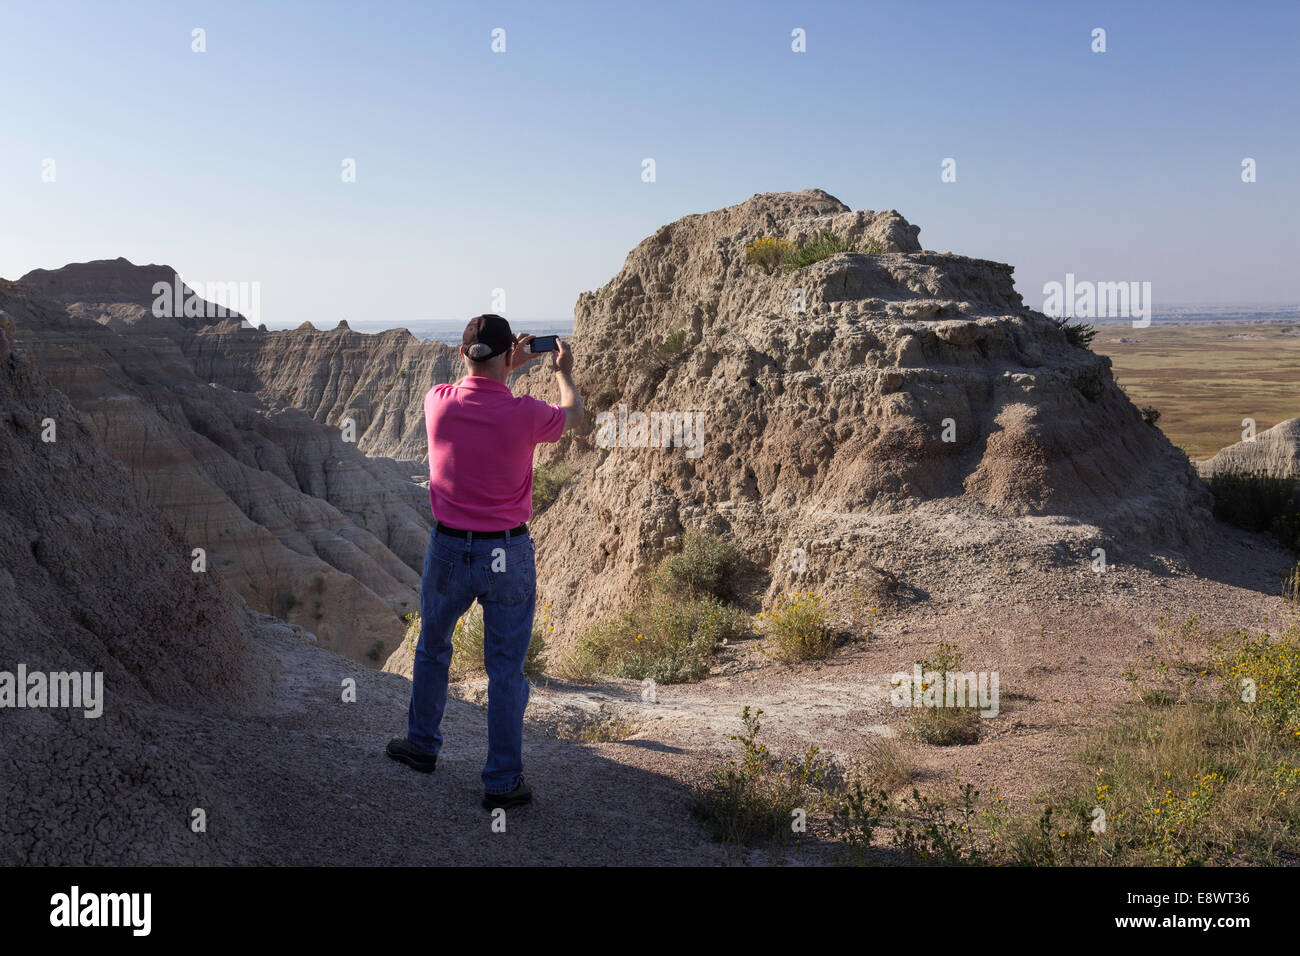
point(1287, 310)
point(449, 330)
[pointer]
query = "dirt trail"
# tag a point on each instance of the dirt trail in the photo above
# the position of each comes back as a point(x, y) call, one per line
point(310, 784)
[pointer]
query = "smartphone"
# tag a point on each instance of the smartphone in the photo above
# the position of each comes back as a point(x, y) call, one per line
point(544, 343)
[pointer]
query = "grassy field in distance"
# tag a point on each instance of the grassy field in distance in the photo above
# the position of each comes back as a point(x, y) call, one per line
point(1206, 378)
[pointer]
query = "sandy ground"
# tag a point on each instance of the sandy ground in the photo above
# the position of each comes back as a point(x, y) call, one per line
point(310, 783)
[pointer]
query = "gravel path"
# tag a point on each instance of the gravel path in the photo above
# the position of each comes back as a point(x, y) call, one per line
point(309, 784)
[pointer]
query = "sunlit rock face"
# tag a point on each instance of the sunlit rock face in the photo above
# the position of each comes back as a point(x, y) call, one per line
point(886, 407)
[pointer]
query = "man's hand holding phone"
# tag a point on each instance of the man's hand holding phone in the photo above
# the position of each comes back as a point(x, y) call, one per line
point(563, 360)
point(522, 352)
point(528, 347)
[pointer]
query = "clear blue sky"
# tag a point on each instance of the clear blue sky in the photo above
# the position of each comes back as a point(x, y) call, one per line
point(522, 170)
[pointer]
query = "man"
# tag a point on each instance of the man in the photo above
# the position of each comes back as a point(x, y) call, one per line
point(481, 440)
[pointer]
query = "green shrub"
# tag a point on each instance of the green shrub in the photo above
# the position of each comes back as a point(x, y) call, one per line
point(282, 604)
point(1192, 784)
point(768, 253)
point(669, 641)
point(1090, 383)
point(798, 627)
point(1257, 501)
point(1268, 666)
point(672, 344)
point(944, 726)
point(825, 245)
point(535, 657)
point(1078, 334)
point(706, 564)
point(1150, 414)
point(756, 799)
point(859, 813)
point(547, 482)
point(467, 643)
point(888, 763)
point(1202, 779)
point(931, 830)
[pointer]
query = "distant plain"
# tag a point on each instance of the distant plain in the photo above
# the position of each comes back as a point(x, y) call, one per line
point(1205, 378)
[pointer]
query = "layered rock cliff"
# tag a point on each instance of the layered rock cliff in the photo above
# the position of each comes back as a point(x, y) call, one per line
point(378, 382)
point(299, 522)
point(119, 293)
point(1274, 451)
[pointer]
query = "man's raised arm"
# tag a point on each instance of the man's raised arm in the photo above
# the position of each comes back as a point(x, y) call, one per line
point(570, 400)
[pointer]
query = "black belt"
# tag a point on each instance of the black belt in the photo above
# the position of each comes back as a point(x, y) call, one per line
point(458, 533)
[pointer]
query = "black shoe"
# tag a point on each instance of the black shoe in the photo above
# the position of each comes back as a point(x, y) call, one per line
point(520, 795)
point(399, 749)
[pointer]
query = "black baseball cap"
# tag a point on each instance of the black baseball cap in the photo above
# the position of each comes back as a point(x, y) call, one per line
point(486, 337)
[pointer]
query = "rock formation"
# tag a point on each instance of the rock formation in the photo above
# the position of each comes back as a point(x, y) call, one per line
point(897, 408)
point(1275, 452)
point(377, 381)
point(882, 411)
point(298, 521)
point(116, 291)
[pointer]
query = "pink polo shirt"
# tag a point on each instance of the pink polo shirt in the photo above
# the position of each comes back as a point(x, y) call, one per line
point(481, 439)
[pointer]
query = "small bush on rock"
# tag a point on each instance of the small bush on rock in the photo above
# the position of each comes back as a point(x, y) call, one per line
point(670, 641)
point(706, 564)
point(1257, 501)
point(798, 627)
point(825, 245)
point(768, 253)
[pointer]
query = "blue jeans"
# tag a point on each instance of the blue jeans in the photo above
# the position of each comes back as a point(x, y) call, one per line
point(500, 573)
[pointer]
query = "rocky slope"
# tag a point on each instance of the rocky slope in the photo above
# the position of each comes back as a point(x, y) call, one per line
point(92, 579)
point(299, 522)
point(119, 293)
point(1275, 451)
point(377, 381)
